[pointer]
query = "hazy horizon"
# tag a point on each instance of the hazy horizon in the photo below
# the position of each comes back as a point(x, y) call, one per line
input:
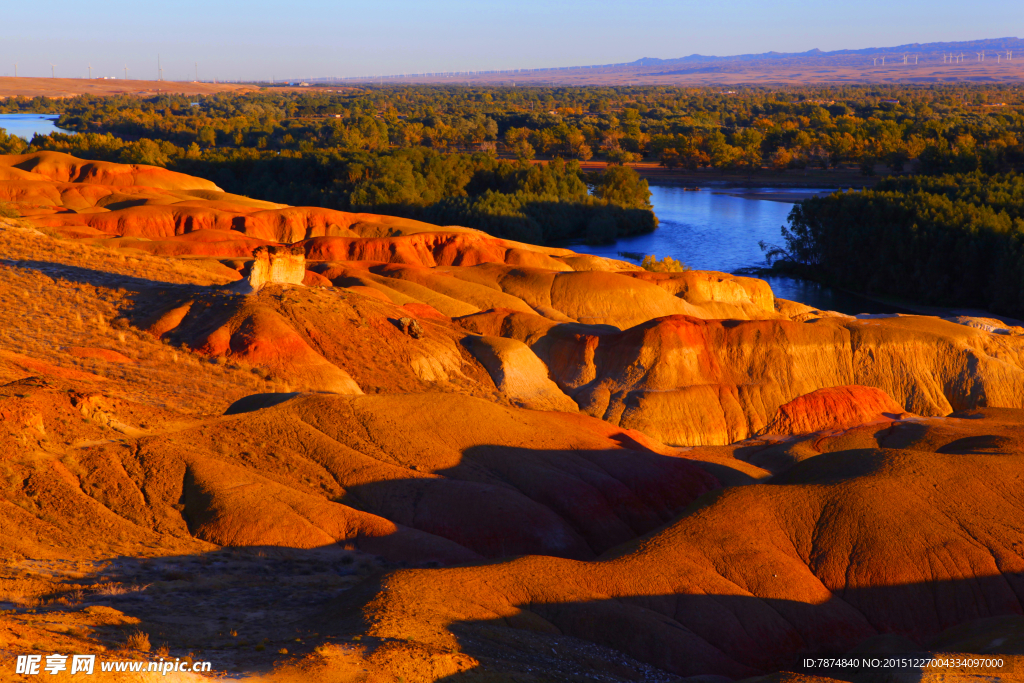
point(256, 41)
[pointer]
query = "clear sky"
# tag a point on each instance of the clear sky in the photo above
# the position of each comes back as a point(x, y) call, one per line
point(258, 39)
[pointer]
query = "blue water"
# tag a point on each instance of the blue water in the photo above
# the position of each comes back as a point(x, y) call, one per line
point(27, 125)
point(719, 229)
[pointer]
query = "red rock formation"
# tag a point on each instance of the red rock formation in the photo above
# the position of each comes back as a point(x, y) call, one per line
point(65, 168)
point(834, 408)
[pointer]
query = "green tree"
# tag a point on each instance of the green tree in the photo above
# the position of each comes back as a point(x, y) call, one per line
point(623, 186)
point(11, 144)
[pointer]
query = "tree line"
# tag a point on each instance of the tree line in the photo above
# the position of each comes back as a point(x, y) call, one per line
point(555, 202)
point(928, 128)
point(949, 240)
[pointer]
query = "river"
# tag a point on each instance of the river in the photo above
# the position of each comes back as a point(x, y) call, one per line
point(27, 125)
point(719, 229)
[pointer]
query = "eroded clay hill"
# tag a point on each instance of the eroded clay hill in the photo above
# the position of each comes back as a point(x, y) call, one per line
point(688, 358)
point(906, 530)
point(438, 455)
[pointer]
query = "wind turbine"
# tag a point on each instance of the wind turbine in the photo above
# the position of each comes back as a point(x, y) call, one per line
point(15, 69)
point(1009, 55)
point(874, 61)
point(126, 72)
point(90, 72)
point(904, 59)
point(53, 72)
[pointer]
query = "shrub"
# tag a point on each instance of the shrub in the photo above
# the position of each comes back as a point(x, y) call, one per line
point(665, 265)
point(137, 640)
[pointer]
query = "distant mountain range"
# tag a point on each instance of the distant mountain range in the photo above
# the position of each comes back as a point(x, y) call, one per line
point(989, 44)
point(929, 62)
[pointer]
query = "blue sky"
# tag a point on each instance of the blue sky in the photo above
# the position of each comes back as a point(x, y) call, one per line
point(308, 38)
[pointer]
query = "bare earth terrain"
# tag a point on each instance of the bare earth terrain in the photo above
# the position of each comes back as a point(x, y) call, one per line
point(309, 445)
point(70, 87)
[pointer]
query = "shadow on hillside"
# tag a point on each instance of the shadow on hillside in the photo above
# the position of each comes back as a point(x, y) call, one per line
point(145, 299)
point(502, 501)
point(240, 608)
point(757, 602)
point(738, 636)
point(77, 274)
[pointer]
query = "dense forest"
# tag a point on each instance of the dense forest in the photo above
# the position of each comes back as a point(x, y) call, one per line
point(953, 239)
point(943, 128)
point(464, 155)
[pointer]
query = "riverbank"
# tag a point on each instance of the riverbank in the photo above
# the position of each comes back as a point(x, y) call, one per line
point(833, 179)
point(882, 304)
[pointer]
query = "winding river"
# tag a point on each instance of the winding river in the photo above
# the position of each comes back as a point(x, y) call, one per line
point(719, 229)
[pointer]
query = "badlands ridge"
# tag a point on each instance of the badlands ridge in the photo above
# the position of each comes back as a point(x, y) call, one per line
point(552, 466)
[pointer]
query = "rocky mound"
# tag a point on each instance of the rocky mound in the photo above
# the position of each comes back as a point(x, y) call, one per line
point(687, 381)
point(834, 408)
point(64, 168)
